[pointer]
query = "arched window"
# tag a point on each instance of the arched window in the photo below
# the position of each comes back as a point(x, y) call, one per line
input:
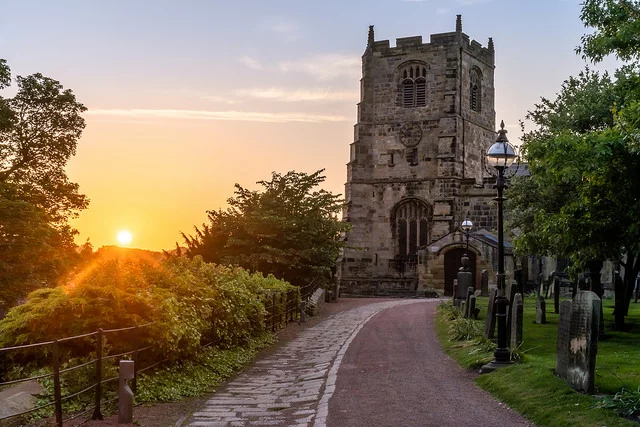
point(413, 85)
point(475, 90)
point(411, 227)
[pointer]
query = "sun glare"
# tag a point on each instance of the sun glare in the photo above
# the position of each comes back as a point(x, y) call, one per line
point(124, 237)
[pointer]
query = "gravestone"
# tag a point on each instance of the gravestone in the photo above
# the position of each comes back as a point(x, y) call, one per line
point(582, 346)
point(515, 327)
point(484, 283)
point(541, 310)
point(490, 321)
point(473, 311)
point(464, 283)
point(456, 301)
point(467, 307)
point(556, 295)
point(563, 340)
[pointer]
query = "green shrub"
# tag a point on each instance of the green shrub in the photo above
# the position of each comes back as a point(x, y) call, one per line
point(462, 329)
point(189, 303)
point(625, 402)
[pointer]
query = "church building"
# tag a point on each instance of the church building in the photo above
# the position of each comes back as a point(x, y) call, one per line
point(417, 166)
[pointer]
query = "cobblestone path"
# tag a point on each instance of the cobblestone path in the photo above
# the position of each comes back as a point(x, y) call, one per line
point(292, 386)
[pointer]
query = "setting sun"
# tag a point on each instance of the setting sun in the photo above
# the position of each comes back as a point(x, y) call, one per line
point(124, 237)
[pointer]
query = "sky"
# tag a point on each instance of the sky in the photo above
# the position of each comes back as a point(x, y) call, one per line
point(187, 98)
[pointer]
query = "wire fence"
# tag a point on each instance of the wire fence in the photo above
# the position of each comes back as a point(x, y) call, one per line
point(94, 376)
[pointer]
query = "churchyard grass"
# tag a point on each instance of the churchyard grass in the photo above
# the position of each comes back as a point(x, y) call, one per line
point(530, 386)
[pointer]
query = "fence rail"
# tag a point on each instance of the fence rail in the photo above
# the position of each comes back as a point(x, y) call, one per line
point(281, 308)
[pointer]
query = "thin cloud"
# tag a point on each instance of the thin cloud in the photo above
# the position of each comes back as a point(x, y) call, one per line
point(252, 63)
point(299, 95)
point(283, 27)
point(244, 116)
point(325, 67)
point(442, 11)
point(221, 99)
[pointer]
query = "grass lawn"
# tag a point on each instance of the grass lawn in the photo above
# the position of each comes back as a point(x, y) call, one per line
point(530, 386)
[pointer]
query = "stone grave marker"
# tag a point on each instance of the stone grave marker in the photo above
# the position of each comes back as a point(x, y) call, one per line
point(484, 283)
point(564, 339)
point(490, 321)
point(517, 313)
point(456, 301)
point(541, 310)
point(467, 306)
point(473, 311)
point(582, 345)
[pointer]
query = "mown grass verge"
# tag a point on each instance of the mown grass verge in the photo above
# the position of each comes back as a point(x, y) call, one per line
point(530, 385)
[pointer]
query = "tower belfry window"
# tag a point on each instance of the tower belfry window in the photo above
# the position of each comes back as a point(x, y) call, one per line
point(413, 86)
point(475, 90)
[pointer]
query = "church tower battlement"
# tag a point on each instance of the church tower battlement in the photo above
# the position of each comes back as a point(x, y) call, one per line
point(425, 119)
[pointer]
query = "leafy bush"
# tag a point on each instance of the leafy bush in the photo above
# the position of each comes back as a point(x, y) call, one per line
point(189, 303)
point(625, 402)
point(447, 311)
point(462, 329)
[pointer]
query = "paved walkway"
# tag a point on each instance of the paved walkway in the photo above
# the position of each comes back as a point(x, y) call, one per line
point(292, 386)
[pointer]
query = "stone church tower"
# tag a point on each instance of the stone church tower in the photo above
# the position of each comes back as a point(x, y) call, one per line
point(416, 170)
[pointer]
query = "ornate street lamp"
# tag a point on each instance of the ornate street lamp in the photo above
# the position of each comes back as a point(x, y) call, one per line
point(467, 225)
point(501, 155)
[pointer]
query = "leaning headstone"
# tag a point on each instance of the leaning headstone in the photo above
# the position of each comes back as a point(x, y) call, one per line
point(541, 310)
point(490, 321)
point(517, 312)
point(564, 339)
point(484, 283)
point(511, 291)
point(583, 341)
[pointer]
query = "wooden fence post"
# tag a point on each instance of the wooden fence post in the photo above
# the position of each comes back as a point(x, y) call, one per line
point(57, 392)
point(97, 413)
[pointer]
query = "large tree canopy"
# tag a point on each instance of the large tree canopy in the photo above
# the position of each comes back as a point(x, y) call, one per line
point(616, 25)
point(583, 195)
point(39, 130)
point(289, 229)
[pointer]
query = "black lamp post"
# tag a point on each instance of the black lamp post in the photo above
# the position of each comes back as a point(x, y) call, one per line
point(467, 225)
point(501, 155)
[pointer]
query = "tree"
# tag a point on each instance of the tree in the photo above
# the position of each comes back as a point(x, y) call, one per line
point(288, 229)
point(39, 130)
point(617, 29)
point(583, 193)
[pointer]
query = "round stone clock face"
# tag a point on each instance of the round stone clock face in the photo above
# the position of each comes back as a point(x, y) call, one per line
point(410, 134)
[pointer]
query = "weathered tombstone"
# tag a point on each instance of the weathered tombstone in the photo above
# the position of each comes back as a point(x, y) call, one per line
point(517, 312)
point(556, 295)
point(490, 321)
point(484, 283)
point(456, 301)
point(464, 283)
point(564, 339)
point(467, 309)
point(541, 310)
point(577, 353)
point(473, 311)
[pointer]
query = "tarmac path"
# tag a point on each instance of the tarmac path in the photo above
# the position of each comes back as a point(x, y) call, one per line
point(377, 364)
